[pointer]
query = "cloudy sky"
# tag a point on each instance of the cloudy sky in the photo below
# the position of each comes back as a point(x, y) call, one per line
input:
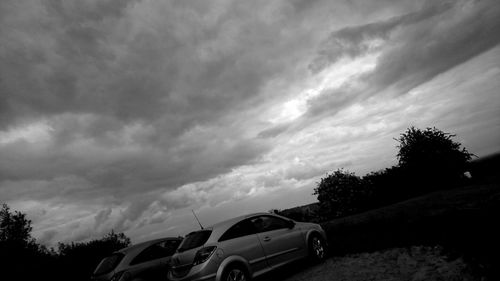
point(127, 114)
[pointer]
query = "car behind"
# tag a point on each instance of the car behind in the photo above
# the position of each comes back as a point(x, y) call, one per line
point(144, 261)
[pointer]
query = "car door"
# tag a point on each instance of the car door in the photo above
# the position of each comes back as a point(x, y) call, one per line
point(242, 240)
point(281, 240)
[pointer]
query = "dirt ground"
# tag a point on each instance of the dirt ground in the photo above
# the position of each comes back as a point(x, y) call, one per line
point(417, 263)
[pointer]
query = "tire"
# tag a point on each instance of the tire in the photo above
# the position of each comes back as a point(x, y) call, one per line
point(317, 248)
point(235, 273)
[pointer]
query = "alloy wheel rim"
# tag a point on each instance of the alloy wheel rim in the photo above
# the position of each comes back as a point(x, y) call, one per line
point(236, 275)
point(318, 248)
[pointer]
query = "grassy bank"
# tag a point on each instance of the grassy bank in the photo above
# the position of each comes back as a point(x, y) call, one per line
point(462, 220)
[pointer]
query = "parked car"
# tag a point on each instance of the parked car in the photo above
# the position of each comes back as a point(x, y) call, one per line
point(140, 262)
point(245, 247)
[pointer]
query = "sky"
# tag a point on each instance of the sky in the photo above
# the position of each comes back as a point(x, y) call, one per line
point(128, 114)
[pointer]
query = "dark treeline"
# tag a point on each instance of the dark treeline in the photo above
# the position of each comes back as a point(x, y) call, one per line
point(435, 195)
point(428, 160)
point(22, 258)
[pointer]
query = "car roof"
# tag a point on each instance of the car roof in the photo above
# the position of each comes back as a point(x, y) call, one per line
point(220, 228)
point(234, 220)
point(143, 245)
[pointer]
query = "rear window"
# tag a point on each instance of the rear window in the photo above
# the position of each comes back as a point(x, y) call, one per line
point(108, 264)
point(156, 251)
point(194, 240)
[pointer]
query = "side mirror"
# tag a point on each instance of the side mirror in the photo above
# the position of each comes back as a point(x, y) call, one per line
point(291, 224)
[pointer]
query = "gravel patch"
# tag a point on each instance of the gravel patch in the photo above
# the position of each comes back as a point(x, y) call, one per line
point(417, 263)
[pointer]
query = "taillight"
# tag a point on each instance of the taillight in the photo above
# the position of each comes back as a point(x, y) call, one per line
point(203, 254)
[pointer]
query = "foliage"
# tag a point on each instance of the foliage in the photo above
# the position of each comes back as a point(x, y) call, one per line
point(109, 243)
point(430, 157)
point(81, 258)
point(391, 185)
point(341, 193)
point(22, 258)
point(428, 160)
point(308, 213)
point(14, 227)
point(20, 255)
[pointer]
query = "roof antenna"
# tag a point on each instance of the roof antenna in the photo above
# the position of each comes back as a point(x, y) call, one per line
point(197, 219)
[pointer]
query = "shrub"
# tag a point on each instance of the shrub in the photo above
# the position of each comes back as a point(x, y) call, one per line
point(430, 159)
point(341, 193)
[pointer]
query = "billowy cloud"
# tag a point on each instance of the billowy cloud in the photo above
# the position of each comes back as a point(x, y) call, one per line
point(353, 41)
point(124, 114)
point(412, 49)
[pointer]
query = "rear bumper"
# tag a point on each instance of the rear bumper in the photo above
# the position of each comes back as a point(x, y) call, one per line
point(206, 271)
point(189, 277)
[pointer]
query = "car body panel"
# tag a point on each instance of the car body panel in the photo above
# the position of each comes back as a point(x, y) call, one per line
point(282, 246)
point(282, 241)
point(249, 248)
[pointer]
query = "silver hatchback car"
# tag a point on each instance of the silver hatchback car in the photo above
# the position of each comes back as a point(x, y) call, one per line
point(245, 247)
point(140, 262)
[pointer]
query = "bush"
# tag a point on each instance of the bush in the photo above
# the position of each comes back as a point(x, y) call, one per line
point(22, 258)
point(20, 255)
point(430, 159)
point(79, 260)
point(341, 193)
point(306, 213)
point(387, 186)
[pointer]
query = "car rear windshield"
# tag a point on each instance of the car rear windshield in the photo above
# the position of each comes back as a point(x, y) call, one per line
point(108, 264)
point(194, 240)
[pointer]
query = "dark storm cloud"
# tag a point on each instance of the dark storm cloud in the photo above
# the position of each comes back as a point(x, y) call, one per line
point(102, 217)
point(50, 46)
point(436, 45)
point(94, 70)
point(416, 48)
point(47, 236)
point(100, 172)
point(354, 41)
point(86, 63)
point(273, 131)
point(132, 212)
point(332, 101)
point(86, 11)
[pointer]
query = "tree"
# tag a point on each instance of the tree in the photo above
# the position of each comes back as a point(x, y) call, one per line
point(341, 193)
point(15, 228)
point(80, 259)
point(20, 255)
point(23, 258)
point(386, 186)
point(431, 156)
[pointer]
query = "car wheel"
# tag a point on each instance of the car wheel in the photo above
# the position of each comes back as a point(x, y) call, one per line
point(235, 273)
point(317, 248)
